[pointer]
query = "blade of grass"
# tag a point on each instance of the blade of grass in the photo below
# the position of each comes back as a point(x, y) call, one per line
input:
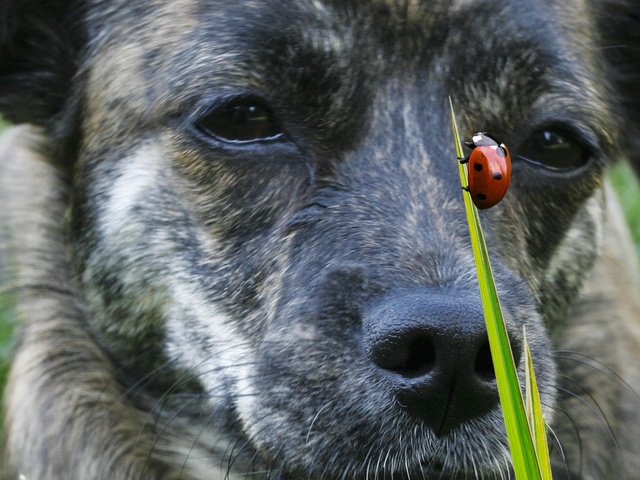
point(534, 412)
point(521, 443)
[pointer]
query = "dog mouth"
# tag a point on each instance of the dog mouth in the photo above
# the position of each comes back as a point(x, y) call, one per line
point(427, 470)
point(475, 451)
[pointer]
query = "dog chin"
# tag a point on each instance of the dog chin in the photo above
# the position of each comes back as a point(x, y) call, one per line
point(476, 450)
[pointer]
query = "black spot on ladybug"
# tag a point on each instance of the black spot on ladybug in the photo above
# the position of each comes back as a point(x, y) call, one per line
point(497, 176)
point(481, 196)
point(477, 166)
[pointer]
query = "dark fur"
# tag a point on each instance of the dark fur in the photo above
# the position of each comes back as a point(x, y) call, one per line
point(192, 308)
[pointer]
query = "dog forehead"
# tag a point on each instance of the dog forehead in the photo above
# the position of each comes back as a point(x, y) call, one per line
point(201, 37)
point(329, 51)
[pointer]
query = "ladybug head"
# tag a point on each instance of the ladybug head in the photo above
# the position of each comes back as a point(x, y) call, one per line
point(481, 139)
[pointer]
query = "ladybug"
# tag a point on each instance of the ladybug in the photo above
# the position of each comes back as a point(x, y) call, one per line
point(489, 170)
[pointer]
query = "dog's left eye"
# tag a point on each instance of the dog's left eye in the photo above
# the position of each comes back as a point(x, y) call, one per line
point(241, 122)
point(555, 148)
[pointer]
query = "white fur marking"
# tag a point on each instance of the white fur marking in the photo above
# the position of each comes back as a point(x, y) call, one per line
point(136, 175)
point(233, 358)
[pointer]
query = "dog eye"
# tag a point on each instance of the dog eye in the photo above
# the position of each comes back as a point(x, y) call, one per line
point(241, 122)
point(556, 149)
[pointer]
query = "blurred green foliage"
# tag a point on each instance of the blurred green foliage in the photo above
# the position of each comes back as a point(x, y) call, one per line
point(628, 188)
point(6, 329)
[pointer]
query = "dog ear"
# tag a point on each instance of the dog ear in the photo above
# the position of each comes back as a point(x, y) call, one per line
point(40, 48)
point(619, 24)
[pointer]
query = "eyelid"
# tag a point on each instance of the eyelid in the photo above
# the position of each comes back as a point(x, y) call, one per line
point(573, 139)
point(223, 104)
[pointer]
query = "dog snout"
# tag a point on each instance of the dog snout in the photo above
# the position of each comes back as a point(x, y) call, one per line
point(432, 347)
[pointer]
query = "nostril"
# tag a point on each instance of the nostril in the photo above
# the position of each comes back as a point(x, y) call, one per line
point(484, 364)
point(430, 348)
point(420, 359)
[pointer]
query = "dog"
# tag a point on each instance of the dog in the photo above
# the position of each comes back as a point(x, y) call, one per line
point(241, 244)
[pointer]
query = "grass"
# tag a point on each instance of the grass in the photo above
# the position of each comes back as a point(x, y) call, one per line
point(525, 427)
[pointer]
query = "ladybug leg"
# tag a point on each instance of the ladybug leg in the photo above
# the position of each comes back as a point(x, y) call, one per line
point(466, 189)
point(463, 160)
point(469, 143)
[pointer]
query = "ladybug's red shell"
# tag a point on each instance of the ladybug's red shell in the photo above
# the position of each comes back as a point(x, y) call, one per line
point(489, 174)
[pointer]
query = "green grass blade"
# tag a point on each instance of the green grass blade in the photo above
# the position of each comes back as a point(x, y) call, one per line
point(521, 444)
point(533, 407)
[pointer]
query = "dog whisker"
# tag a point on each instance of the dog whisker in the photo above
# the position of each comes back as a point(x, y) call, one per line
point(596, 365)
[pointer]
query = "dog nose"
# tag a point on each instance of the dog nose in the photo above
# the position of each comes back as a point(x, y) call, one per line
point(433, 348)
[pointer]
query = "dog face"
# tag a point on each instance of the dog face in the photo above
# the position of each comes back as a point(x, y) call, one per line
point(283, 211)
point(265, 203)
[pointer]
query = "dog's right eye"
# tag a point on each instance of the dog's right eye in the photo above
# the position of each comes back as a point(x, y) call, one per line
point(241, 122)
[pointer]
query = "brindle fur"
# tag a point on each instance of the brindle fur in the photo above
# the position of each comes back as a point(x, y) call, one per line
point(194, 310)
